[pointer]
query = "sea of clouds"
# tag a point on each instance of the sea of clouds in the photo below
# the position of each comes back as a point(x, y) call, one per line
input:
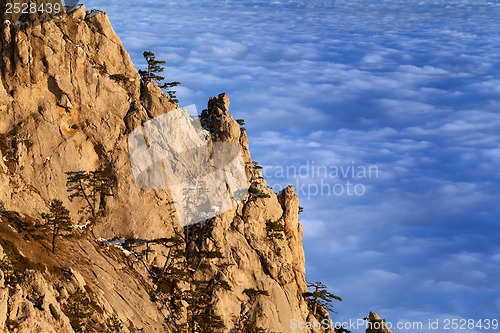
point(409, 87)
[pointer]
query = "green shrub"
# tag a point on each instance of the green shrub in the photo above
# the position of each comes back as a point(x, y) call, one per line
point(102, 69)
point(119, 78)
point(12, 324)
point(255, 192)
point(114, 324)
point(241, 122)
point(14, 265)
point(256, 165)
point(275, 230)
point(78, 309)
point(244, 323)
point(253, 293)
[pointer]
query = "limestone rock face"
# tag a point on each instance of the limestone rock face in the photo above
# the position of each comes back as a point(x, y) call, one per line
point(376, 324)
point(69, 98)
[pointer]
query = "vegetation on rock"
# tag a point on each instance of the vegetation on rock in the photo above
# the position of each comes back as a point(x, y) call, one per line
point(92, 187)
point(275, 230)
point(14, 265)
point(57, 222)
point(151, 74)
point(319, 297)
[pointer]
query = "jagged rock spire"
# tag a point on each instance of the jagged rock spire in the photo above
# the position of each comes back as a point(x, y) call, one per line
point(376, 324)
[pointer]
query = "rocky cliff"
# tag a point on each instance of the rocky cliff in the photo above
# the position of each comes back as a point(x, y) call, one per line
point(375, 324)
point(69, 98)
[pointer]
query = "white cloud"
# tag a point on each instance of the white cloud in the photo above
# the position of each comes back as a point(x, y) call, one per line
point(313, 228)
point(405, 86)
point(467, 258)
point(446, 286)
point(381, 276)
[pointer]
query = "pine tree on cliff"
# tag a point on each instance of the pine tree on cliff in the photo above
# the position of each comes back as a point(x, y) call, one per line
point(320, 297)
point(58, 221)
point(151, 74)
point(93, 187)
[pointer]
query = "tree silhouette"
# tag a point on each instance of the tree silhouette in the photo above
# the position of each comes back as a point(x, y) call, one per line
point(92, 187)
point(151, 74)
point(180, 287)
point(319, 296)
point(58, 221)
point(202, 316)
point(154, 66)
point(78, 309)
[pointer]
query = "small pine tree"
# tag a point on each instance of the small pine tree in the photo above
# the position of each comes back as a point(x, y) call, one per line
point(154, 66)
point(202, 316)
point(58, 221)
point(78, 309)
point(151, 74)
point(319, 296)
point(188, 252)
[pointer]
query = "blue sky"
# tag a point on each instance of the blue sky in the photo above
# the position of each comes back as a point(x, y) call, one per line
point(409, 87)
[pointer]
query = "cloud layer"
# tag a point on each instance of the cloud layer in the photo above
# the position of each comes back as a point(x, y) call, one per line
point(409, 87)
